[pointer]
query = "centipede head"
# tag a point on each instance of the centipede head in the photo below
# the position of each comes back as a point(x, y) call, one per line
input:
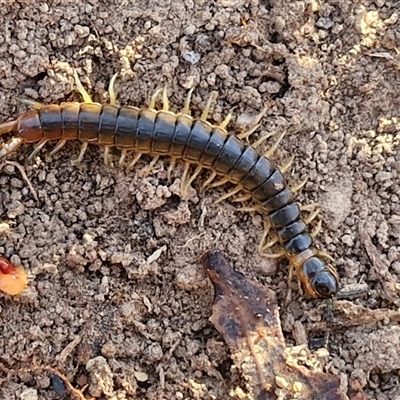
point(319, 279)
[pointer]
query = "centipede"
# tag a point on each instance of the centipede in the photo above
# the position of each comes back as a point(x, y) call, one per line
point(195, 141)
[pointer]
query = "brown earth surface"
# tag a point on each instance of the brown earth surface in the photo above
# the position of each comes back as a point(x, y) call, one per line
point(117, 297)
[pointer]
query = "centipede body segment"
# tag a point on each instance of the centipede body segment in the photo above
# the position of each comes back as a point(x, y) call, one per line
point(193, 140)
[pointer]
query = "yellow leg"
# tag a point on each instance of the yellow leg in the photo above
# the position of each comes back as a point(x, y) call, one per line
point(171, 168)
point(133, 162)
point(218, 183)
point(241, 199)
point(225, 122)
point(286, 166)
point(267, 228)
point(85, 95)
point(270, 151)
point(165, 99)
point(59, 145)
point(263, 139)
point(124, 153)
point(309, 207)
point(184, 186)
point(316, 230)
point(256, 123)
point(153, 98)
point(149, 168)
point(208, 181)
point(237, 189)
point(311, 217)
point(107, 156)
point(204, 114)
point(82, 152)
point(300, 186)
point(250, 209)
point(186, 108)
point(38, 147)
point(30, 103)
point(196, 172)
point(111, 90)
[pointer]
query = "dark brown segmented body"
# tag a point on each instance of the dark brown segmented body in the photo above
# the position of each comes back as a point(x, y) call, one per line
point(180, 136)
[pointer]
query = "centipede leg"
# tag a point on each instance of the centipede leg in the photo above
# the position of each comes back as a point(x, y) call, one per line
point(59, 145)
point(37, 148)
point(184, 186)
point(271, 150)
point(106, 156)
point(186, 108)
point(206, 111)
point(85, 95)
point(208, 181)
point(284, 168)
point(256, 124)
point(295, 189)
point(133, 162)
point(316, 230)
point(124, 152)
point(231, 193)
point(311, 217)
point(153, 98)
point(225, 122)
point(149, 168)
point(111, 90)
point(241, 199)
point(196, 172)
point(171, 168)
point(165, 99)
point(84, 146)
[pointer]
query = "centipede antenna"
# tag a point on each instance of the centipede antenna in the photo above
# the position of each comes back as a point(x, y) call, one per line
point(85, 95)
point(30, 103)
point(271, 151)
point(153, 98)
point(111, 90)
point(206, 111)
point(84, 146)
point(165, 99)
point(133, 162)
point(7, 127)
point(329, 320)
point(234, 191)
point(37, 148)
point(186, 108)
point(59, 145)
point(225, 122)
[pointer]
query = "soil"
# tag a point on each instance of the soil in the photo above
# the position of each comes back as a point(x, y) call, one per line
point(117, 298)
